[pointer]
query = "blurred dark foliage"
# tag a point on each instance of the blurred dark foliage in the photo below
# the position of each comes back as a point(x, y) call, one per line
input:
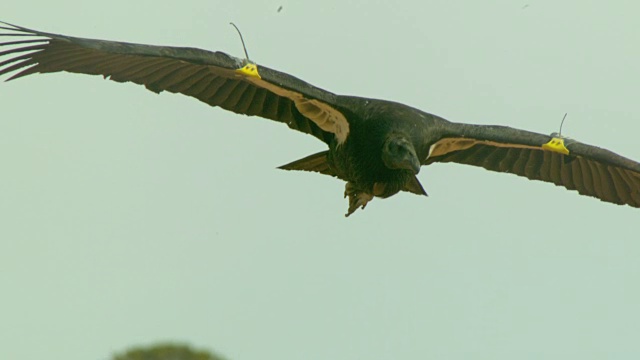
point(166, 351)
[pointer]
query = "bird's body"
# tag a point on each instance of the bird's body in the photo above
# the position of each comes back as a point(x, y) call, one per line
point(359, 160)
point(376, 146)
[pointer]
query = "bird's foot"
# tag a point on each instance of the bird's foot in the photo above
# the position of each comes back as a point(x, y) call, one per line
point(357, 198)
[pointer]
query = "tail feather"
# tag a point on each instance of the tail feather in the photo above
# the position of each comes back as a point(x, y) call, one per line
point(316, 162)
point(413, 186)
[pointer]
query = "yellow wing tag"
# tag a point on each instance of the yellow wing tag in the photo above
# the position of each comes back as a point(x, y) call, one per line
point(556, 144)
point(249, 69)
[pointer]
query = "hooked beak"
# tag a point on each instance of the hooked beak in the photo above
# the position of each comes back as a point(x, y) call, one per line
point(411, 162)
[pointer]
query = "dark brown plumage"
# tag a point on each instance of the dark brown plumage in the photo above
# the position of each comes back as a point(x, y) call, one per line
point(376, 146)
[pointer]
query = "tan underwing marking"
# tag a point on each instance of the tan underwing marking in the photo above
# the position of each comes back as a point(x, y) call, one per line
point(448, 145)
point(325, 116)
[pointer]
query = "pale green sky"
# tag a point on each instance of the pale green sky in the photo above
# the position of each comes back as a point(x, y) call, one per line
point(129, 217)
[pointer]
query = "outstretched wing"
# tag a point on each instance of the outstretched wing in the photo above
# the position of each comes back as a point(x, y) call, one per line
point(590, 170)
point(212, 77)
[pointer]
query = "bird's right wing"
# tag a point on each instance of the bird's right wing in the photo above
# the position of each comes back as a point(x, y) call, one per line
point(590, 170)
point(212, 77)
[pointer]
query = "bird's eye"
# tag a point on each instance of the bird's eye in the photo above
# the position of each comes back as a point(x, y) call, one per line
point(394, 147)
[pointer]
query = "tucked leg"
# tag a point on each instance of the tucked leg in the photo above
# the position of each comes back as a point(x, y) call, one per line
point(357, 197)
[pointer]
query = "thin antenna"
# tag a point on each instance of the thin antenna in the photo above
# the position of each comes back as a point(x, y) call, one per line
point(241, 39)
point(564, 117)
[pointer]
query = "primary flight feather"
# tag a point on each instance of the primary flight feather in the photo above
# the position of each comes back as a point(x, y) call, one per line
point(376, 146)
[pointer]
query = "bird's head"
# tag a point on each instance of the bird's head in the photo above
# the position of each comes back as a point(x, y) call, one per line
point(398, 153)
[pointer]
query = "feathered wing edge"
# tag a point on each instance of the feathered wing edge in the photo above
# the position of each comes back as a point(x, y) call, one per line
point(588, 169)
point(211, 77)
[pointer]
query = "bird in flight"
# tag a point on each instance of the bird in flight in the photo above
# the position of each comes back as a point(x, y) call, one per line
point(377, 147)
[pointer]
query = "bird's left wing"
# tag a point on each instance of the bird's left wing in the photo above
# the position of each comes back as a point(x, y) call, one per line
point(212, 77)
point(590, 170)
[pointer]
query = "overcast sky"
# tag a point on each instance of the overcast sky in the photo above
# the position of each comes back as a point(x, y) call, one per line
point(128, 217)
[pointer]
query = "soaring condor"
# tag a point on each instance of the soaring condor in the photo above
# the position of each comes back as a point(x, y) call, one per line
point(376, 146)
